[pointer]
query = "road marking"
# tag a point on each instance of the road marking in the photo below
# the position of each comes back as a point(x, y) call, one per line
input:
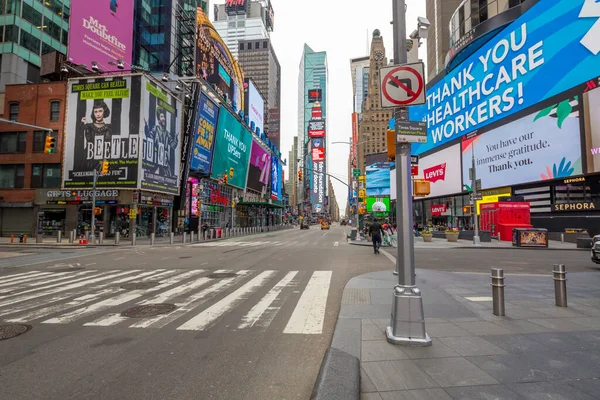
point(309, 314)
point(324, 234)
point(388, 255)
point(481, 298)
point(56, 277)
point(336, 244)
point(207, 317)
point(28, 279)
point(265, 305)
point(24, 275)
point(75, 277)
point(90, 264)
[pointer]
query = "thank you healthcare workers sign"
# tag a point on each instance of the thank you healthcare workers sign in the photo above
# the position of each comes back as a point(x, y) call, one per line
point(551, 48)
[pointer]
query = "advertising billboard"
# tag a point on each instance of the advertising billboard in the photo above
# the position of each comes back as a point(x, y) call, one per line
point(543, 145)
point(102, 123)
point(161, 146)
point(378, 179)
point(592, 130)
point(354, 139)
point(276, 176)
point(314, 95)
point(254, 105)
point(207, 115)
point(551, 48)
point(378, 204)
point(316, 128)
point(317, 194)
point(101, 33)
point(442, 169)
point(232, 150)
point(259, 170)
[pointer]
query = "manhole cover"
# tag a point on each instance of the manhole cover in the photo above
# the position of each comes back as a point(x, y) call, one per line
point(67, 269)
point(222, 275)
point(11, 331)
point(139, 285)
point(150, 310)
point(186, 257)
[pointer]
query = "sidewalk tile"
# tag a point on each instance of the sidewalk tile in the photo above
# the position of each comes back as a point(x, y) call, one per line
point(370, 331)
point(519, 326)
point(436, 350)
point(464, 319)
point(381, 350)
point(445, 329)
point(448, 372)
point(517, 344)
point(381, 323)
point(370, 396)
point(420, 394)
point(589, 386)
point(472, 346)
point(559, 312)
point(365, 311)
point(588, 322)
point(397, 375)
point(496, 392)
point(483, 328)
point(524, 313)
point(560, 325)
point(587, 310)
point(366, 386)
point(571, 341)
point(549, 390)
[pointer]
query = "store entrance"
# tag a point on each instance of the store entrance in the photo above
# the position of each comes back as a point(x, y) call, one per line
point(52, 221)
point(84, 219)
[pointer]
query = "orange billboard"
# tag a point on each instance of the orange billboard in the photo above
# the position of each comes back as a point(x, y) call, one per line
point(354, 138)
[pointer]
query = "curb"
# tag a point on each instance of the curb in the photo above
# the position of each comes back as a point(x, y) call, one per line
point(339, 377)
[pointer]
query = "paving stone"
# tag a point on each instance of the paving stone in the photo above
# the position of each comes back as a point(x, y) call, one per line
point(517, 344)
point(519, 326)
point(496, 392)
point(397, 375)
point(588, 386)
point(421, 394)
point(436, 350)
point(549, 390)
point(524, 313)
point(472, 346)
point(370, 331)
point(445, 329)
point(448, 372)
point(370, 396)
point(381, 323)
point(588, 322)
point(568, 341)
point(381, 350)
point(587, 310)
point(559, 312)
point(483, 328)
point(366, 386)
point(560, 324)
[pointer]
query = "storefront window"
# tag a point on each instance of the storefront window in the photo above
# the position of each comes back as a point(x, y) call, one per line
point(144, 222)
point(119, 221)
point(52, 221)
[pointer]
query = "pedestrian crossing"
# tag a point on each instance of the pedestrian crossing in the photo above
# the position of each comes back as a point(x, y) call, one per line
point(199, 299)
point(239, 244)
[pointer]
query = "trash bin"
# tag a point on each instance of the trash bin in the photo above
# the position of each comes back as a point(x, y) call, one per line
point(21, 238)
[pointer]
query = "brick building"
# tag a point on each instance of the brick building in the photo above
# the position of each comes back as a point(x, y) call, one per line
point(24, 167)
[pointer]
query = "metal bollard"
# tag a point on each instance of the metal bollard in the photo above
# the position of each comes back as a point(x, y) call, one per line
point(498, 291)
point(133, 239)
point(87, 236)
point(152, 237)
point(562, 237)
point(184, 237)
point(39, 238)
point(71, 237)
point(117, 238)
point(198, 235)
point(101, 238)
point(59, 237)
point(191, 236)
point(171, 238)
point(560, 284)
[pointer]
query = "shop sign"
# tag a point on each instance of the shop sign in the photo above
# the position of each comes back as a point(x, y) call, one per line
point(438, 209)
point(435, 173)
point(157, 200)
point(582, 206)
point(81, 193)
point(575, 180)
point(217, 198)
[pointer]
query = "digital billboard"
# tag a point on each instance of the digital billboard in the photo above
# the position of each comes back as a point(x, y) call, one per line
point(259, 170)
point(443, 171)
point(317, 194)
point(314, 95)
point(543, 145)
point(254, 105)
point(102, 124)
point(317, 149)
point(101, 33)
point(316, 128)
point(207, 114)
point(378, 204)
point(592, 130)
point(378, 178)
point(276, 177)
point(551, 48)
point(232, 150)
point(161, 145)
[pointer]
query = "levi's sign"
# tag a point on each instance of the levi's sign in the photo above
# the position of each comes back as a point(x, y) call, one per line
point(435, 173)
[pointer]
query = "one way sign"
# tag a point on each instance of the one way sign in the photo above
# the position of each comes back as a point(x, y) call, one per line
point(402, 85)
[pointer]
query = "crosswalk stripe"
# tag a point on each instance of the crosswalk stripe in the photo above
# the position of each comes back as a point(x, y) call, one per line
point(27, 278)
point(214, 312)
point(19, 275)
point(58, 277)
point(191, 302)
point(309, 314)
point(117, 300)
point(50, 283)
point(265, 305)
point(87, 298)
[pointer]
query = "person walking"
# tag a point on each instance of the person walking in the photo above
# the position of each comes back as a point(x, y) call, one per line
point(376, 231)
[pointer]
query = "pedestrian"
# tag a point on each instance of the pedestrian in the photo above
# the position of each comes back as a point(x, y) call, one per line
point(376, 232)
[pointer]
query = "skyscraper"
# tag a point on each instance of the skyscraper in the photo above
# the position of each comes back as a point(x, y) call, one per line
point(359, 68)
point(439, 13)
point(312, 128)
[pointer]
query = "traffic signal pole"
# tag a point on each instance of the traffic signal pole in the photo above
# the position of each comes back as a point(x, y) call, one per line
point(93, 235)
point(476, 238)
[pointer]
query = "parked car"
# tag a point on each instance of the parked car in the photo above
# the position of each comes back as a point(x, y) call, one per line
point(596, 252)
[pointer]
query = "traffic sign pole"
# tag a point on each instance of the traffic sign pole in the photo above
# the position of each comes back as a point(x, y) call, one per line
point(476, 238)
point(407, 325)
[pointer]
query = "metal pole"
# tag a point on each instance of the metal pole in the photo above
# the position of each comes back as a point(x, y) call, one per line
point(560, 285)
point(133, 239)
point(171, 238)
point(498, 291)
point(117, 238)
point(476, 238)
point(101, 238)
point(191, 236)
point(407, 325)
point(93, 225)
point(59, 237)
point(152, 237)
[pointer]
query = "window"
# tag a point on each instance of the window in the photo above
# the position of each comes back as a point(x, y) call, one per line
point(257, 45)
point(12, 142)
point(45, 175)
point(265, 44)
point(13, 111)
point(39, 140)
point(241, 46)
point(54, 110)
point(12, 176)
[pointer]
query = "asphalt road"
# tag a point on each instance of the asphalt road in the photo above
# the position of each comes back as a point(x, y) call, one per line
point(257, 332)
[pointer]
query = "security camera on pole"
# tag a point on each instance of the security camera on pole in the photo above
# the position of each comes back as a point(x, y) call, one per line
point(403, 85)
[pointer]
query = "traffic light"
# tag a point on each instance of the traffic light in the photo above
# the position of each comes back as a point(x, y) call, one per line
point(467, 210)
point(231, 171)
point(300, 176)
point(104, 167)
point(50, 144)
point(226, 179)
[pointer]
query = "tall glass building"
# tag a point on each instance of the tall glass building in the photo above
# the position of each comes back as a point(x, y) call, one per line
point(312, 75)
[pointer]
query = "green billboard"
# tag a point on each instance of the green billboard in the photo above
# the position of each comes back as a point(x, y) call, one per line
point(378, 205)
point(232, 150)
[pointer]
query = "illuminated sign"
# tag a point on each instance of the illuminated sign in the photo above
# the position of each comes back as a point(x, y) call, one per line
point(318, 154)
point(316, 128)
point(314, 95)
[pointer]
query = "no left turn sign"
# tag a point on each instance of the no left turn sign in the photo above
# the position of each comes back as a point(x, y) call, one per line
point(402, 85)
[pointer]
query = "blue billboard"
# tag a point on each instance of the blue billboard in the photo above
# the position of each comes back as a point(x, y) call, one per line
point(276, 172)
point(551, 48)
point(207, 114)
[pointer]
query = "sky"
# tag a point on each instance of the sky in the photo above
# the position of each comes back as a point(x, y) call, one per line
point(341, 28)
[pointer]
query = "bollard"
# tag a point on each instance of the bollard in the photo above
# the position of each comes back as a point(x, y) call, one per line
point(12, 238)
point(117, 238)
point(71, 237)
point(39, 238)
point(87, 236)
point(101, 238)
point(171, 238)
point(560, 284)
point(59, 237)
point(198, 235)
point(498, 291)
point(24, 238)
point(133, 237)
point(184, 237)
point(562, 237)
point(191, 236)
point(152, 238)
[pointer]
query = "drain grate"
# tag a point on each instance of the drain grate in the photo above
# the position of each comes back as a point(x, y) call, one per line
point(68, 269)
point(222, 275)
point(11, 331)
point(139, 285)
point(185, 257)
point(150, 310)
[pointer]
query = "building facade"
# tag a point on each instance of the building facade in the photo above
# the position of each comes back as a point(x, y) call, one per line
point(359, 68)
point(439, 13)
point(293, 172)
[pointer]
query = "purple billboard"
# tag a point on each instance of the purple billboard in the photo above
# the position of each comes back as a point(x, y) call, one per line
point(260, 168)
point(102, 32)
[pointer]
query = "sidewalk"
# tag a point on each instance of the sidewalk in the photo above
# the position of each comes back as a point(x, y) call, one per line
point(536, 351)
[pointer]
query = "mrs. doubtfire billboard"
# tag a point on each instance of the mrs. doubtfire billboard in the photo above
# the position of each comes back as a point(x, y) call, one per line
point(101, 31)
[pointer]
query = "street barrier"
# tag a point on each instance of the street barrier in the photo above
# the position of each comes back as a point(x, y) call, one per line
point(171, 238)
point(133, 239)
point(152, 237)
point(59, 237)
point(101, 238)
point(117, 237)
point(560, 285)
point(498, 291)
point(184, 237)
